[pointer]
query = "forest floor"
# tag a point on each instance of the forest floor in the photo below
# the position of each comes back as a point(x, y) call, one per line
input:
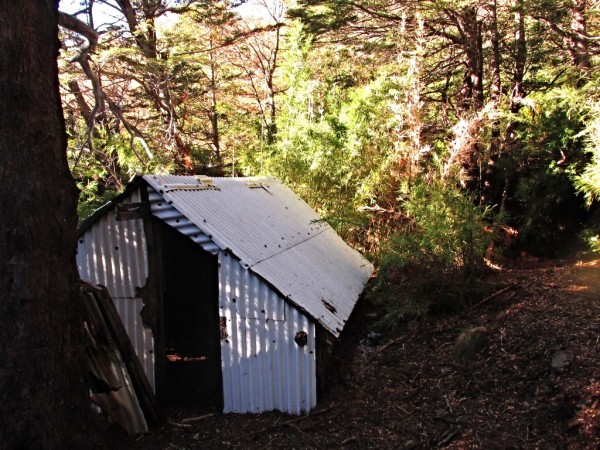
point(534, 383)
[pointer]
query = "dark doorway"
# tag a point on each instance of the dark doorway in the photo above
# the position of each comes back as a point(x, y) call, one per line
point(191, 322)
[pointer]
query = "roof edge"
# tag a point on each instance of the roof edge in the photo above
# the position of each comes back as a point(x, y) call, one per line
point(89, 221)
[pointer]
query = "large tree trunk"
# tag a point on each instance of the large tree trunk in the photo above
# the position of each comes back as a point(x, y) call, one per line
point(43, 400)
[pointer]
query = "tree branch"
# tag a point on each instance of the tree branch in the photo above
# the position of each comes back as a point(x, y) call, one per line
point(83, 29)
point(562, 33)
point(374, 13)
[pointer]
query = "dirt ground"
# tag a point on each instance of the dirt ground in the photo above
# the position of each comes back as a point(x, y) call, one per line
point(532, 380)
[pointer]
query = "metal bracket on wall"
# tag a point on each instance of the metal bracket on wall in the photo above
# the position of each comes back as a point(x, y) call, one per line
point(132, 211)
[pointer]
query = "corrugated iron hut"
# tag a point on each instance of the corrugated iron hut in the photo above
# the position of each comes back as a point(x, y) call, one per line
point(229, 288)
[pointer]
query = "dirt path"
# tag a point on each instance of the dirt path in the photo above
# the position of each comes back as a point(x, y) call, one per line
point(534, 382)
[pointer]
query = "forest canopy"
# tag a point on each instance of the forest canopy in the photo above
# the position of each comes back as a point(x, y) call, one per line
point(429, 134)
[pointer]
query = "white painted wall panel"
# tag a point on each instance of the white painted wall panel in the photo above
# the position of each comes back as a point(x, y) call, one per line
point(113, 254)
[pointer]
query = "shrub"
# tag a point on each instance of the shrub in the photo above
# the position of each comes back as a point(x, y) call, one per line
point(432, 264)
point(445, 231)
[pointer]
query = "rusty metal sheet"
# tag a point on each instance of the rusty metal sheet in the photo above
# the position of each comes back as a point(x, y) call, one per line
point(109, 380)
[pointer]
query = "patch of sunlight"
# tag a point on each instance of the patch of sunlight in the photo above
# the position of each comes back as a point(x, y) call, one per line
point(577, 288)
point(514, 309)
point(491, 264)
point(593, 263)
point(588, 418)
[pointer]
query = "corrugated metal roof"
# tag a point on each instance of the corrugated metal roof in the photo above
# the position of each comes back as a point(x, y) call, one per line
point(278, 236)
point(161, 209)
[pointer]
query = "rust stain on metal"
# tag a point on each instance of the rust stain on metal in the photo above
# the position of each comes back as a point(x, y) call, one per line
point(329, 306)
point(223, 328)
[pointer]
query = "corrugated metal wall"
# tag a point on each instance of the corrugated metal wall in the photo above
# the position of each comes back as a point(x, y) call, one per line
point(113, 254)
point(263, 367)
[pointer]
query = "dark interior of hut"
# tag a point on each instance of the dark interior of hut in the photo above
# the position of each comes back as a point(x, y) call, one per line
point(191, 322)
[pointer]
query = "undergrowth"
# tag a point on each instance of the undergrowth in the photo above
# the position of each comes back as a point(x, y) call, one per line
point(405, 295)
point(436, 262)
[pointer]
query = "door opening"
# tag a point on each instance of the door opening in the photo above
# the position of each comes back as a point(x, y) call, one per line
point(191, 322)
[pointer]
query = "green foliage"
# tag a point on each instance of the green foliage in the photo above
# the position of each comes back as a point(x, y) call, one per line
point(544, 203)
point(321, 16)
point(346, 137)
point(432, 263)
point(98, 172)
point(371, 101)
point(91, 197)
point(588, 181)
point(310, 152)
point(445, 230)
point(591, 236)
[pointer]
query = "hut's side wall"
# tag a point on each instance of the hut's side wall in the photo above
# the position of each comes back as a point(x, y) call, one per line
point(263, 367)
point(113, 254)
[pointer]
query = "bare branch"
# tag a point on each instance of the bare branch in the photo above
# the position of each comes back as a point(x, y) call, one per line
point(376, 13)
point(552, 26)
point(83, 29)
